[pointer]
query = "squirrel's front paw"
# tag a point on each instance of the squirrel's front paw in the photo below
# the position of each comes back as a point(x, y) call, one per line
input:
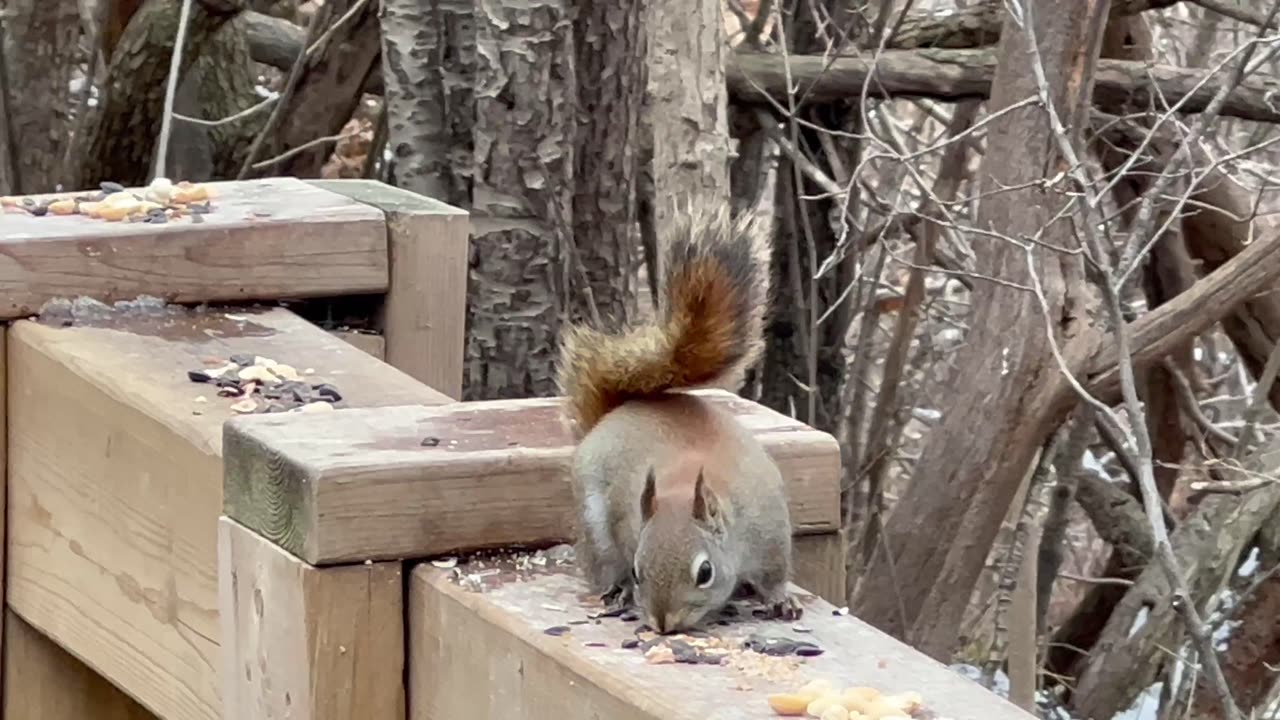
point(788, 608)
point(618, 597)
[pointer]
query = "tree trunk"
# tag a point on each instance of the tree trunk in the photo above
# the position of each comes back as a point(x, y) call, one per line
point(219, 85)
point(428, 119)
point(1011, 396)
point(40, 54)
point(610, 44)
point(120, 137)
point(328, 90)
point(688, 107)
point(481, 103)
point(225, 77)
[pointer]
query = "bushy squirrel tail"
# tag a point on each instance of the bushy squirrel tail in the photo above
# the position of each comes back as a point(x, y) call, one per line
point(710, 328)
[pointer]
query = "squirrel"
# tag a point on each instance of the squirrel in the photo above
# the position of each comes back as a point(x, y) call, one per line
point(679, 507)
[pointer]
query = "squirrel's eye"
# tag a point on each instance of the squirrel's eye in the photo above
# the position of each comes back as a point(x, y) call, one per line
point(705, 574)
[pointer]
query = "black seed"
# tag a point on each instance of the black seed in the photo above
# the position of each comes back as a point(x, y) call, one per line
point(28, 202)
point(327, 391)
point(594, 644)
point(628, 617)
point(556, 631)
point(109, 187)
point(40, 210)
point(630, 644)
point(430, 441)
point(579, 622)
point(242, 359)
point(808, 651)
point(199, 376)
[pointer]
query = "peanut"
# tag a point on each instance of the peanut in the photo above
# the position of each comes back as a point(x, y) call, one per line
point(788, 704)
point(820, 704)
point(835, 712)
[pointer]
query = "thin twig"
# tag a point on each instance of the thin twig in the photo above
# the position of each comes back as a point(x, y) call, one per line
point(266, 103)
point(171, 89)
point(303, 148)
point(1261, 392)
point(1192, 406)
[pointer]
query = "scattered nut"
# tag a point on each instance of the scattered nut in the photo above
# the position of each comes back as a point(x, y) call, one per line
point(786, 704)
point(835, 712)
point(63, 207)
point(245, 406)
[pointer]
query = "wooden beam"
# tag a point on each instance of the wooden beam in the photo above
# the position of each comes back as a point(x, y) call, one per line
point(367, 342)
point(483, 652)
point(49, 683)
point(425, 314)
point(416, 481)
point(817, 565)
point(115, 483)
point(307, 643)
point(264, 240)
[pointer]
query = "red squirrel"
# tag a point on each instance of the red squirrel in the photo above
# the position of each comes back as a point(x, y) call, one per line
point(679, 507)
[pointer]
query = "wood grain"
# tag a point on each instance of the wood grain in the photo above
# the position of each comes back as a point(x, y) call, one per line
point(425, 315)
point(416, 481)
point(484, 655)
point(265, 239)
point(116, 484)
point(817, 565)
point(307, 643)
point(48, 683)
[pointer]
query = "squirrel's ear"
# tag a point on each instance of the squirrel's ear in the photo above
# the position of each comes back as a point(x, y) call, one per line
point(647, 497)
point(706, 506)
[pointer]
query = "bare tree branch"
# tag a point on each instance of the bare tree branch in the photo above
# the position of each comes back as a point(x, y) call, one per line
point(964, 74)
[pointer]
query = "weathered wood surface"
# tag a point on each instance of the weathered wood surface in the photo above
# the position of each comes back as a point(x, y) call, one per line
point(116, 484)
point(425, 314)
point(417, 481)
point(45, 682)
point(307, 643)
point(485, 654)
point(367, 342)
point(817, 565)
point(266, 239)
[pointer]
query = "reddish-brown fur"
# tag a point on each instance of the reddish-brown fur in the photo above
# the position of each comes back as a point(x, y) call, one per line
point(711, 326)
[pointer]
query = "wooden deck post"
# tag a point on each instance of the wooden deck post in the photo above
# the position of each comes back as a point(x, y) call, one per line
point(425, 313)
point(307, 643)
